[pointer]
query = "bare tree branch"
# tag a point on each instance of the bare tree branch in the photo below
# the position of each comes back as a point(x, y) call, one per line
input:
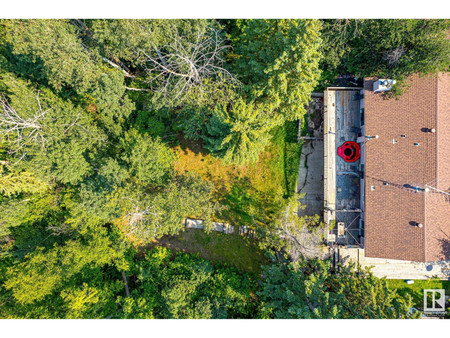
point(181, 65)
point(21, 132)
point(85, 29)
point(25, 129)
point(126, 74)
point(393, 56)
point(304, 235)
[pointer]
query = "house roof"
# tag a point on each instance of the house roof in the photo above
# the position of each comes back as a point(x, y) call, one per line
point(393, 211)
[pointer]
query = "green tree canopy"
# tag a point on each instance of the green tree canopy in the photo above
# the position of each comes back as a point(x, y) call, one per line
point(278, 62)
point(394, 48)
point(49, 51)
point(127, 39)
point(43, 271)
point(150, 161)
point(150, 215)
point(240, 134)
point(47, 134)
point(309, 289)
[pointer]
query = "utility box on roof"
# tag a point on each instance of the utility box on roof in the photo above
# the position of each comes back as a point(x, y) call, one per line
point(331, 238)
point(383, 85)
point(341, 229)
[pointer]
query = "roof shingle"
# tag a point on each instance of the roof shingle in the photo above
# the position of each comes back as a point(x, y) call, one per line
point(392, 211)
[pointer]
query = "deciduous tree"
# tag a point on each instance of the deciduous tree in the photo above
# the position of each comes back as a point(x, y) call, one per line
point(150, 215)
point(42, 271)
point(388, 48)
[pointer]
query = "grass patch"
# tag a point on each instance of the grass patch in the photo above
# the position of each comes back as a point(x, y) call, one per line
point(304, 128)
point(292, 152)
point(231, 249)
point(287, 162)
point(254, 192)
point(416, 289)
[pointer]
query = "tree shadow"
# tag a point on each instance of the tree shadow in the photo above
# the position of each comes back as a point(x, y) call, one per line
point(445, 248)
point(32, 68)
point(239, 202)
point(195, 146)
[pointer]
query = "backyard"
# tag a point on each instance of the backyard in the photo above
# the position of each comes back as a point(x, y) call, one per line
point(255, 192)
point(416, 289)
point(231, 249)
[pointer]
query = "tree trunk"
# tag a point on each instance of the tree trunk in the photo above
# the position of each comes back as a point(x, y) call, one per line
point(127, 291)
point(137, 89)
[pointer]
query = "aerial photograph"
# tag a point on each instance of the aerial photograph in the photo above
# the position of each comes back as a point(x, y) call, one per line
point(184, 168)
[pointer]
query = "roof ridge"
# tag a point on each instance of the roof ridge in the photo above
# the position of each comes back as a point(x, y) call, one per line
point(425, 225)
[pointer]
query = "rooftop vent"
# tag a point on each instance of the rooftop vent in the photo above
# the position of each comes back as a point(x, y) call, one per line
point(417, 144)
point(386, 183)
point(428, 130)
point(383, 85)
point(419, 225)
point(415, 188)
point(403, 136)
point(350, 151)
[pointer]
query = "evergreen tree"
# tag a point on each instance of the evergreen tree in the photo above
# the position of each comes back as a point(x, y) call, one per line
point(46, 134)
point(241, 134)
point(309, 289)
point(278, 62)
point(49, 51)
point(15, 183)
point(108, 103)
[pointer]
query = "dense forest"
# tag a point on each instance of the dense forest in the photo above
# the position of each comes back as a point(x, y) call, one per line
point(112, 132)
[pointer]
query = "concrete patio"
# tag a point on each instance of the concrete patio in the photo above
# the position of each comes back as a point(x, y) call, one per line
point(392, 268)
point(310, 176)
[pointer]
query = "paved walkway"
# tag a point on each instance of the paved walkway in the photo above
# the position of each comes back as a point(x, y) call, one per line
point(310, 178)
point(217, 226)
point(396, 269)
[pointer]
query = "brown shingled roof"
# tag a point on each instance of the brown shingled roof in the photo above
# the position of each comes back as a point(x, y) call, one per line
point(393, 210)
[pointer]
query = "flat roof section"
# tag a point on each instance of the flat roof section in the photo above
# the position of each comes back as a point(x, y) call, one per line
point(342, 119)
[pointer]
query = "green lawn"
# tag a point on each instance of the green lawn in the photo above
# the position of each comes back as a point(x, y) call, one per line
point(416, 289)
point(232, 249)
point(287, 163)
